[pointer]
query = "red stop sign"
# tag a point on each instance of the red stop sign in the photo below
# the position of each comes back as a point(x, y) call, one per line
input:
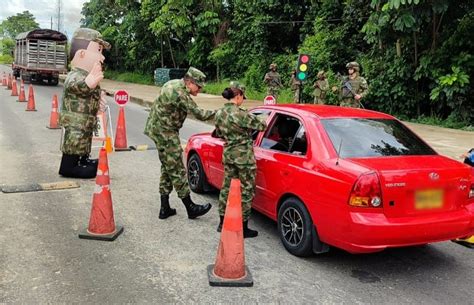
point(121, 97)
point(269, 100)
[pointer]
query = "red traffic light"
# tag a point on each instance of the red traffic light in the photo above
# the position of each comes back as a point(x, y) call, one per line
point(304, 59)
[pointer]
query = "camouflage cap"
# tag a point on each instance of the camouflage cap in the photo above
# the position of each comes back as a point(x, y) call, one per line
point(198, 77)
point(90, 35)
point(237, 85)
point(273, 65)
point(353, 65)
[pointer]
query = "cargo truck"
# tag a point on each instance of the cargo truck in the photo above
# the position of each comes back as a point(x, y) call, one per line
point(40, 56)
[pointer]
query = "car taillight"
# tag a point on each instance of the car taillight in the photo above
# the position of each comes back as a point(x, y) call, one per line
point(366, 192)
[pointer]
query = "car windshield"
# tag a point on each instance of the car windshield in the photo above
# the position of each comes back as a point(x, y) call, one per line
point(358, 138)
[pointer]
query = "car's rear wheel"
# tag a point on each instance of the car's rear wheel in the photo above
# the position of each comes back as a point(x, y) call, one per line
point(196, 176)
point(295, 227)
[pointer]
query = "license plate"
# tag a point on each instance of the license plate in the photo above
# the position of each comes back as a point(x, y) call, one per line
point(428, 199)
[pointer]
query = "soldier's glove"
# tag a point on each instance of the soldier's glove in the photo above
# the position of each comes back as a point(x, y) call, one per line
point(103, 101)
point(95, 76)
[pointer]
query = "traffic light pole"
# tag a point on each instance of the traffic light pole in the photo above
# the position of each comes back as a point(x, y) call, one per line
point(299, 92)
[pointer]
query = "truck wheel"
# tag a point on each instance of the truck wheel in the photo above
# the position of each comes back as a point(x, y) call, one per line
point(54, 81)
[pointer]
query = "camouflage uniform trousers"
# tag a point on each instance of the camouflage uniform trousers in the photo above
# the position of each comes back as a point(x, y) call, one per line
point(319, 100)
point(296, 96)
point(273, 91)
point(173, 173)
point(350, 102)
point(246, 174)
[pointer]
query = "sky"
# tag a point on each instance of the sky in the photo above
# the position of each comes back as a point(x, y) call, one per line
point(43, 10)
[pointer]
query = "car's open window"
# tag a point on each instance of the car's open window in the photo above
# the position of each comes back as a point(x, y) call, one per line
point(261, 113)
point(282, 133)
point(359, 137)
point(299, 144)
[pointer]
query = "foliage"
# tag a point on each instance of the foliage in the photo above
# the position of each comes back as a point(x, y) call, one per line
point(6, 59)
point(21, 22)
point(129, 77)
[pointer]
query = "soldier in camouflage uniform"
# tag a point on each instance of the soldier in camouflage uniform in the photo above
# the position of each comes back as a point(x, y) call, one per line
point(295, 85)
point(353, 87)
point(235, 125)
point(321, 86)
point(164, 122)
point(273, 81)
point(82, 98)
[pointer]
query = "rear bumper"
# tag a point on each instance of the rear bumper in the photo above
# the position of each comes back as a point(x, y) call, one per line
point(372, 232)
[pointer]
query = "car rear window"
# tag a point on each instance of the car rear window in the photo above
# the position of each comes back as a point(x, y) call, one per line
point(373, 137)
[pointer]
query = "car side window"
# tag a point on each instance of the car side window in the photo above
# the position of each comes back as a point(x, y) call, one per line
point(300, 144)
point(261, 113)
point(282, 133)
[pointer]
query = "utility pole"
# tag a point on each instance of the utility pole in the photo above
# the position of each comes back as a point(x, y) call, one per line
point(51, 22)
point(59, 14)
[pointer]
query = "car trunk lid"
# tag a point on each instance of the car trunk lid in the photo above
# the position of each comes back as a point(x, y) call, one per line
point(414, 185)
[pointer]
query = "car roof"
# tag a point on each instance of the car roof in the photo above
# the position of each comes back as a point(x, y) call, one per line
point(327, 111)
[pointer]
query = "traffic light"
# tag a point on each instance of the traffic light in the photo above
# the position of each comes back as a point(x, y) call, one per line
point(302, 68)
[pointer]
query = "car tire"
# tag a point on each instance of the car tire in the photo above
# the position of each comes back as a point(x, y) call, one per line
point(295, 227)
point(196, 177)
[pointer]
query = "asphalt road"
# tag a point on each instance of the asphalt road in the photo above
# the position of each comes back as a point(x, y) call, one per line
point(43, 261)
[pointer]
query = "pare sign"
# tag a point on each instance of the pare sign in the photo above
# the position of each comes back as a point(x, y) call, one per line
point(121, 97)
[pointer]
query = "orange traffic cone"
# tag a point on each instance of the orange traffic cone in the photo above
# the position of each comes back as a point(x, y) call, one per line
point(14, 89)
point(108, 145)
point(101, 222)
point(121, 133)
point(54, 117)
point(230, 269)
point(31, 99)
point(9, 82)
point(22, 97)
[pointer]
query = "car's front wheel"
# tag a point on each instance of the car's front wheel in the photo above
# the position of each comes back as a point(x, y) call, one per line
point(196, 176)
point(295, 227)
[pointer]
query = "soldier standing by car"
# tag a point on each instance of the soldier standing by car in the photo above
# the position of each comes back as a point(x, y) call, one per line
point(166, 118)
point(273, 81)
point(82, 98)
point(295, 85)
point(353, 87)
point(235, 125)
point(321, 86)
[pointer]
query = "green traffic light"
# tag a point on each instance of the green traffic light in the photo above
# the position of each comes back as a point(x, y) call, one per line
point(301, 76)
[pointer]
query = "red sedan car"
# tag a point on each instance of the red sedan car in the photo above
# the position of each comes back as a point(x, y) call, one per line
point(355, 179)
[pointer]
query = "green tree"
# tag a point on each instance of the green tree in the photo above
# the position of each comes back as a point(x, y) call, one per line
point(21, 22)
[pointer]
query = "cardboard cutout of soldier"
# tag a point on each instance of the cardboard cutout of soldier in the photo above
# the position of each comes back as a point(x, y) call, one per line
point(82, 99)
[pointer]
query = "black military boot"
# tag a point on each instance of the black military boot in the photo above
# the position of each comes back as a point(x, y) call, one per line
point(249, 233)
point(71, 168)
point(165, 210)
point(221, 222)
point(84, 160)
point(68, 163)
point(195, 210)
